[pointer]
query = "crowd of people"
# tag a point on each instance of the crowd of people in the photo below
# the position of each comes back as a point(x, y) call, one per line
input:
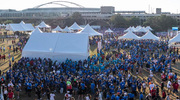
point(114, 73)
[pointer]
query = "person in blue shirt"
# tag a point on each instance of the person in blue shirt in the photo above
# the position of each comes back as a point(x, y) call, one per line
point(133, 87)
point(125, 97)
point(122, 85)
point(117, 97)
point(113, 97)
point(92, 88)
point(107, 96)
point(29, 88)
point(83, 86)
point(111, 89)
point(131, 96)
point(139, 85)
point(17, 90)
point(141, 96)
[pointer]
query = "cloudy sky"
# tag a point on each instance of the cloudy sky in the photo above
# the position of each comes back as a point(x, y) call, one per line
point(133, 5)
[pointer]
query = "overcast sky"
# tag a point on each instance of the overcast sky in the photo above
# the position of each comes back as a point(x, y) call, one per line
point(133, 5)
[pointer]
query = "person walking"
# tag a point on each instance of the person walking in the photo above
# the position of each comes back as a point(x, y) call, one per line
point(11, 95)
point(175, 87)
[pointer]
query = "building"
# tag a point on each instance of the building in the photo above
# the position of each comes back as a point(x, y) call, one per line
point(158, 10)
point(89, 14)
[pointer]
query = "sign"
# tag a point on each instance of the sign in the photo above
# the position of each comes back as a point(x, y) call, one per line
point(175, 28)
point(99, 45)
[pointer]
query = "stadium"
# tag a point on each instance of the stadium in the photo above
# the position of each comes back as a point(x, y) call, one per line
point(63, 10)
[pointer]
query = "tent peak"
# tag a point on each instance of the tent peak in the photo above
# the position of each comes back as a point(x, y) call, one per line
point(22, 22)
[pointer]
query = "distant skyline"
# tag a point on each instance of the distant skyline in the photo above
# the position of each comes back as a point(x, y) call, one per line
point(120, 5)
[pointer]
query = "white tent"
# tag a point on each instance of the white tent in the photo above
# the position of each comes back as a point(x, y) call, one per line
point(2, 25)
point(75, 26)
point(20, 27)
point(138, 27)
point(129, 28)
point(149, 28)
point(143, 30)
point(109, 31)
point(129, 35)
point(22, 22)
point(175, 39)
point(57, 29)
point(28, 27)
point(37, 30)
point(15, 27)
point(66, 30)
point(149, 35)
point(43, 25)
point(90, 31)
point(133, 29)
point(57, 46)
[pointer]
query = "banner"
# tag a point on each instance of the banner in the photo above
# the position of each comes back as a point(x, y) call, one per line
point(99, 45)
point(175, 28)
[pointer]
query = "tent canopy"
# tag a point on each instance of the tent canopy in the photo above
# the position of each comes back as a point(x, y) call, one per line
point(20, 27)
point(149, 28)
point(43, 25)
point(129, 28)
point(22, 22)
point(109, 31)
point(66, 29)
point(90, 31)
point(129, 35)
point(3, 24)
point(75, 26)
point(138, 27)
point(28, 27)
point(142, 29)
point(57, 46)
point(175, 39)
point(150, 35)
point(57, 29)
point(37, 30)
point(15, 27)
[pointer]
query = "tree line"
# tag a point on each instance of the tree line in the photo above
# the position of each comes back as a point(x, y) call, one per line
point(158, 23)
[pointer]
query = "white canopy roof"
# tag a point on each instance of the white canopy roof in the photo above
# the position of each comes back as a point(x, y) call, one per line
point(109, 31)
point(57, 46)
point(57, 29)
point(43, 25)
point(133, 29)
point(129, 35)
point(37, 30)
point(15, 27)
point(175, 39)
point(20, 27)
point(75, 26)
point(90, 31)
point(141, 30)
point(66, 29)
point(22, 22)
point(150, 35)
point(138, 27)
point(28, 27)
point(2, 25)
point(149, 28)
point(129, 28)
